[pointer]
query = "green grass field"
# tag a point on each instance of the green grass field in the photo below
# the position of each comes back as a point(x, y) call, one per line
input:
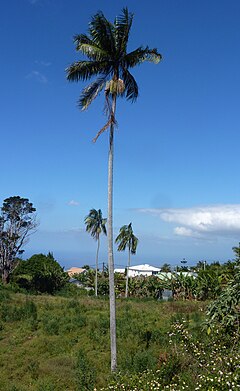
point(57, 343)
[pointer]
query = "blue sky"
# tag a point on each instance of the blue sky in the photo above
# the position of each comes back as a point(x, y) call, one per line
point(176, 173)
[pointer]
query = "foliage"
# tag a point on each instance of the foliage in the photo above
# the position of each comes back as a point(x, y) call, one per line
point(236, 251)
point(218, 363)
point(127, 239)
point(108, 60)
point(139, 287)
point(40, 273)
point(86, 376)
point(17, 222)
point(189, 364)
point(95, 223)
point(41, 336)
point(207, 284)
point(145, 287)
point(166, 267)
point(224, 312)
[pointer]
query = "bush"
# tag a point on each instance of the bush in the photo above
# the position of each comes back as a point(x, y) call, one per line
point(224, 312)
point(143, 360)
point(85, 373)
point(11, 313)
point(41, 274)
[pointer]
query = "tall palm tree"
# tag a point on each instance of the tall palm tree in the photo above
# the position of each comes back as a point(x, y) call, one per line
point(127, 239)
point(95, 225)
point(108, 62)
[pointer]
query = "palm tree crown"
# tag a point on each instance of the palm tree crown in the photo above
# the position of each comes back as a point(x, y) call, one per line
point(126, 238)
point(95, 223)
point(108, 60)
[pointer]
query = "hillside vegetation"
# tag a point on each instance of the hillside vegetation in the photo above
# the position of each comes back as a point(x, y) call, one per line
point(57, 343)
point(61, 341)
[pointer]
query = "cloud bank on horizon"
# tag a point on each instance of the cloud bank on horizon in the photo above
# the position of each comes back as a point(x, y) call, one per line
point(201, 221)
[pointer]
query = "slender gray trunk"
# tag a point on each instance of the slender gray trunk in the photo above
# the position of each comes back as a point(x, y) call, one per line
point(129, 262)
point(96, 272)
point(112, 301)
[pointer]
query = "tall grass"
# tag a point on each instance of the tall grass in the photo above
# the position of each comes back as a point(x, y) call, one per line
point(58, 343)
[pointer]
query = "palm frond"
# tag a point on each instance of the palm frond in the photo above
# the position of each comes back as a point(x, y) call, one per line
point(122, 26)
point(90, 92)
point(85, 45)
point(131, 87)
point(84, 70)
point(140, 55)
point(102, 33)
point(134, 243)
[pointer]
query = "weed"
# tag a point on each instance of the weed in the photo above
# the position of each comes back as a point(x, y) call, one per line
point(144, 360)
point(33, 369)
point(50, 325)
point(85, 373)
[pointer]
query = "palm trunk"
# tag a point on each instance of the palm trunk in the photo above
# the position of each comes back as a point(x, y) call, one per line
point(129, 260)
point(96, 272)
point(112, 301)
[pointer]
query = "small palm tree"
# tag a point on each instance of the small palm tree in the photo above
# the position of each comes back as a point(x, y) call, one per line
point(95, 225)
point(127, 239)
point(108, 63)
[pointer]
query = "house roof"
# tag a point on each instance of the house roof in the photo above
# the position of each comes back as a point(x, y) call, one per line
point(75, 270)
point(144, 268)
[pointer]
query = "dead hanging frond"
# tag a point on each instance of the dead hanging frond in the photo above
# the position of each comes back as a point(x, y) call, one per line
point(111, 121)
point(112, 88)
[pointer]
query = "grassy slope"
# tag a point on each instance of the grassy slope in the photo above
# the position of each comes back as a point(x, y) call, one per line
point(39, 342)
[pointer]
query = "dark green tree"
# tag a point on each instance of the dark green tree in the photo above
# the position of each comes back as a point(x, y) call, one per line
point(166, 267)
point(17, 222)
point(127, 239)
point(95, 225)
point(236, 251)
point(108, 62)
point(40, 273)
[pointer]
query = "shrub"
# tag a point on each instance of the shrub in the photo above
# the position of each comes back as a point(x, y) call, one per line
point(85, 373)
point(40, 273)
point(143, 360)
point(50, 325)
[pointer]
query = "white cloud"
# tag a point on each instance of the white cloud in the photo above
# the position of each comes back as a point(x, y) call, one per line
point(73, 203)
point(43, 63)
point(201, 221)
point(38, 76)
point(183, 231)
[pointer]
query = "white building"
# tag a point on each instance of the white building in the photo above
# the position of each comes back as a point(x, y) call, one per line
point(168, 276)
point(121, 271)
point(143, 270)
